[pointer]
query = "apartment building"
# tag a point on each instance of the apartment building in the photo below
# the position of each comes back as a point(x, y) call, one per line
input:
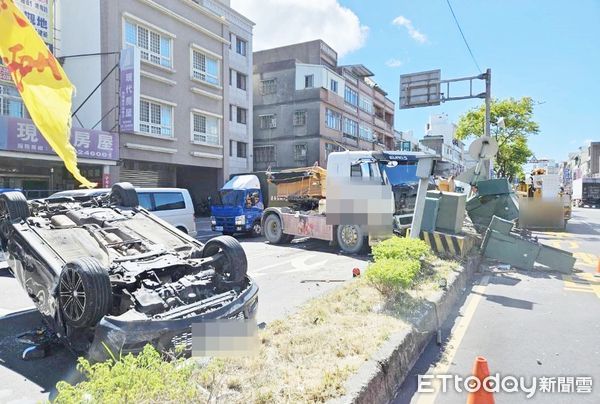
point(439, 136)
point(307, 106)
point(156, 83)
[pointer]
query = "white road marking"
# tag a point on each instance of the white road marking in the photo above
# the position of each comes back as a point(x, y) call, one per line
point(456, 338)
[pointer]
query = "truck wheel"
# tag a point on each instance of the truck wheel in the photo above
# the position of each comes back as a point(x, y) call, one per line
point(350, 238)
point(232, 268)
point(274, 231)
point(256, 229)
point(85, 294)
point(124, 194)
point(14, 206)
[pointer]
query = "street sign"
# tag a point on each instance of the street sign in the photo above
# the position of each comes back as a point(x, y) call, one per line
point(420, 89)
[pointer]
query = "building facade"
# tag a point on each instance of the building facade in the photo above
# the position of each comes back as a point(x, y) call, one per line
point(162, 77)
point(306, 106)
point(440, 137)
point(27, 162)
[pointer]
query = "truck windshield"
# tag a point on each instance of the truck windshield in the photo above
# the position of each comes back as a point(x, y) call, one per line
point(231, 197)
point(405, 173)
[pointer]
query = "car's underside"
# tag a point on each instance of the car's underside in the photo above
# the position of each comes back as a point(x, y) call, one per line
point(106, 259)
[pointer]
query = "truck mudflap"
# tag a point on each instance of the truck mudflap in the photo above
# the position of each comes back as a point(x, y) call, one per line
point(114, 337)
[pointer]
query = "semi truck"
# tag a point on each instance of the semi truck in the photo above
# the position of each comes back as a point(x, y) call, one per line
point(357, 206)
point(586, 192)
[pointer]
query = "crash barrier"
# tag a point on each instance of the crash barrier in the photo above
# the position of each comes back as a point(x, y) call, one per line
point(500, 243)
point(494, 198)
point(451, 244)
point(481, 395)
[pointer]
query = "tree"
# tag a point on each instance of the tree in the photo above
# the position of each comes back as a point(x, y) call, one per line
point(513, 150)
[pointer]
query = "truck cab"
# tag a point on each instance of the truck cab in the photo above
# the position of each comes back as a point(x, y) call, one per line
point(239, 206)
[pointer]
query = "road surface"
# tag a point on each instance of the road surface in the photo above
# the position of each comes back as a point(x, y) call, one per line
point(527, 324)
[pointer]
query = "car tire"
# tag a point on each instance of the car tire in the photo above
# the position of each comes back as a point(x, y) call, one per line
point(232, 268)
point(256, 229)
point(124, 194)
point(274, 231)
point(14, 205)
point(350, 238)
point(85, 293)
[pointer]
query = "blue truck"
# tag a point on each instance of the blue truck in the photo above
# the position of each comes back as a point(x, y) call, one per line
point(240, 204)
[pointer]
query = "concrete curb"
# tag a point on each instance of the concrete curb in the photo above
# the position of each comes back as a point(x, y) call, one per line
point(377, 379)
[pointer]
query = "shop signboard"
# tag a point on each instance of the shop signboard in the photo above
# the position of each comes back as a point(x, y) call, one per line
point(17, 134)
point(129, 89)
point(41, 15)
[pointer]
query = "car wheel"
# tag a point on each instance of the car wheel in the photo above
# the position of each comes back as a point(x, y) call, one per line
point(232, 267)
point(256, 229)
point(350, 238)
point(274, 231)
point(14, 206)
point(85, 294)
point(124, 194)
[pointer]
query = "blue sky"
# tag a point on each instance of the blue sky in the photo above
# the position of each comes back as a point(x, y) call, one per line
point(546, 49)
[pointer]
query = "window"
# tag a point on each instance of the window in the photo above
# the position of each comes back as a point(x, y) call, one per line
point(145, 200)
point(168, 200)
point(309, 81)
point(231, 142)
point(242, 150)
point(330, 148)
point(231, 107)
point(300, 152)
point(333, 119)
point(155, 118)
point(268, 121)
point(366, 133)
point(241, 81)
point(205, 129)
point(230, 77)
point(366, 104)
point(299, 118)
point(241, 46)
point(351, 96)
point(264, 154)
point(242, 115)
point(205, 68)
point(268, 86)
point(11, 103)
point(333, 85)
point(154, 47)
point(350, 128)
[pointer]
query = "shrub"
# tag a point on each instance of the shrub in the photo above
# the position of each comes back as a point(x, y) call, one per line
point(390, 275)
point(142, 378)
point(401, 248)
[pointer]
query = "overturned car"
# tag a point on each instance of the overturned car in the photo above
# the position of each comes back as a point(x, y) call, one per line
point(105, 273)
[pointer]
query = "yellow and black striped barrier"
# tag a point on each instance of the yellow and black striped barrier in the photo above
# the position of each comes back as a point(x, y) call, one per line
point(451, 244)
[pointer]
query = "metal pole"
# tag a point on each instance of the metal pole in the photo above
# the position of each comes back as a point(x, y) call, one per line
point(488, 102)
point(415, 229)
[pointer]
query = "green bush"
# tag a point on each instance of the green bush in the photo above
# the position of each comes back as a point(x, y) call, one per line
point(390, 275)
point(401, 248)
point(146, 377)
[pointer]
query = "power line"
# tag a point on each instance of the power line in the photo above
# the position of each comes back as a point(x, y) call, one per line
point(463, 36)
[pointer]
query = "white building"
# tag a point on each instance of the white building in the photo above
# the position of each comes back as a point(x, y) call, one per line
point(439, 136)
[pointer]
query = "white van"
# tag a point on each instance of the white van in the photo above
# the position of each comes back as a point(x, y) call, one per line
point(173, 205)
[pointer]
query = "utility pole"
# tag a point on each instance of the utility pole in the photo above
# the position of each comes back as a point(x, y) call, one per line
point(488, 104)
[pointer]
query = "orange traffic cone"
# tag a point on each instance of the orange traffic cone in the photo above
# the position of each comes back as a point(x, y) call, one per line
point(481, 371)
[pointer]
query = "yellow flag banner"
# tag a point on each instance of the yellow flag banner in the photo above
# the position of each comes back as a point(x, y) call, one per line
point(44, 87)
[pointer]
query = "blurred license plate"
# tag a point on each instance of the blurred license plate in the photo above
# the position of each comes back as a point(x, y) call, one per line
point(218, 228)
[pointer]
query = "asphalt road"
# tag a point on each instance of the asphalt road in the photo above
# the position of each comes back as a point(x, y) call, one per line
point(527, 324)
point(287, 276)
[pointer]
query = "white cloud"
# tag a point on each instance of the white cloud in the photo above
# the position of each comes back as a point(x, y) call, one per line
point(284, 22)
point(402, 21)
point(394, 62)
